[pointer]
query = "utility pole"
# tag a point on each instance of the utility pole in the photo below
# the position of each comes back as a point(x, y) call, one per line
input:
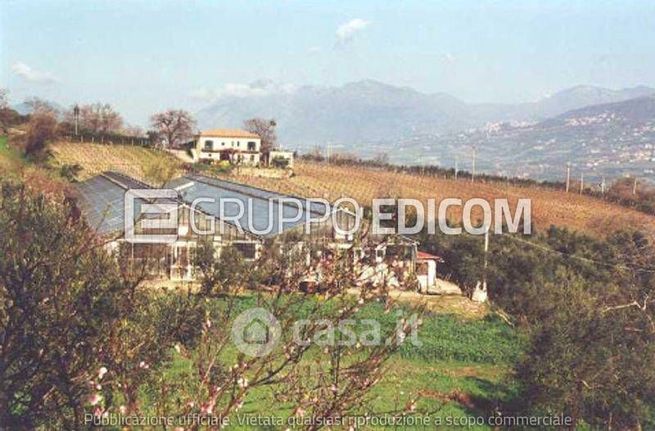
point(76, 116)
point(480, 291)
point(456, 166)
point(602, 187)
point(473, 166)
point(327, 158)
point(486, 251)
point(568, 176)
point(581, 182)
point(634, 187)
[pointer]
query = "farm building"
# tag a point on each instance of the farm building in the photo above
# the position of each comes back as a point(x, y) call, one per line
point(237, 147)
point(243, 217)
point(233, 145)
point(281, 157)
point(102, 202)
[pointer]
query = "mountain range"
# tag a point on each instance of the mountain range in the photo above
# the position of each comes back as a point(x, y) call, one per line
point(370, 111)
point(369, 117)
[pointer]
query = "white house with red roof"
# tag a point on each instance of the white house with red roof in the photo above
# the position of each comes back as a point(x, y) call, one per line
point(233, 145)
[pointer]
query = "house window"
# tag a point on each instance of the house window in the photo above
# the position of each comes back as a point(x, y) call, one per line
point(223, 143)
point(209, 144)
point(252, 146)
point(252, 157)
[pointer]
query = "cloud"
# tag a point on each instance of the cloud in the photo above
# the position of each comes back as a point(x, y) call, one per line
point(262, 87)
point(347, 31)
point(29, 74)
point(314, 49)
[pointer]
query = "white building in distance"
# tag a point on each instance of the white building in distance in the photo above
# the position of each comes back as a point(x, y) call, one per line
point(233, 145)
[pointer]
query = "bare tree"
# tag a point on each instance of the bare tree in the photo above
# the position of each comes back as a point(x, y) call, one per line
point(109, 120)
point(133, 131)
point(266, 131)
point(175, 126)
point(97, 118)
point(39, 105)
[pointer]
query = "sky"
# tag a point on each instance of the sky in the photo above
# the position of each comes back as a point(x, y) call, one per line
point(146, 56)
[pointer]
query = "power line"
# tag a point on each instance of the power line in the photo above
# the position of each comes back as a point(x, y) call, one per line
point(583, 259)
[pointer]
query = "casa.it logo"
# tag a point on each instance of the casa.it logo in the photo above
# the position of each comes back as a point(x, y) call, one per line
point(256, 332)
point(151, 216)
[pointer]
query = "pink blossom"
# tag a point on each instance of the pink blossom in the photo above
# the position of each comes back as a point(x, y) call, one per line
point(95, 399)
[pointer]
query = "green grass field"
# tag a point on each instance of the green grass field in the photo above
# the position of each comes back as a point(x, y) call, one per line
point(462, 368)
point(10, 158)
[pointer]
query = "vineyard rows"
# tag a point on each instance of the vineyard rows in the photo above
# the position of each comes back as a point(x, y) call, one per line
point(312, 179)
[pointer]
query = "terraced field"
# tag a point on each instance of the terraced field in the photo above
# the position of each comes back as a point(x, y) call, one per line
point(549, 207)
point(96, 158)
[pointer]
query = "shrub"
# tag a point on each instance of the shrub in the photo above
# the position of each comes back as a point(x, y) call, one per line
point(41, 130)
point(70, 172)
point(280, 162)
point(60, 297)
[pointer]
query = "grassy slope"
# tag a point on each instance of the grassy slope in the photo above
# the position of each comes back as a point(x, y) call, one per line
point(9, 157)
point(462, 368)
point(14, 165)
point(96, 158)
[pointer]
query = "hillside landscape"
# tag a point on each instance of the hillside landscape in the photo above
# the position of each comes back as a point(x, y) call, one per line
point(602, 132)
point(312, 179)
point(306, 215)
point(599, 132)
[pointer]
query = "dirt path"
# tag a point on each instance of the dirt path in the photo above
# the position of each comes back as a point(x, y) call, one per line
point(442, 304)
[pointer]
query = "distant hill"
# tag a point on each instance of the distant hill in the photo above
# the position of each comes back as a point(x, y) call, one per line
point(584, 95)
point(358, 112)
point(367, 112)
point(629, 112)
point(611, 140)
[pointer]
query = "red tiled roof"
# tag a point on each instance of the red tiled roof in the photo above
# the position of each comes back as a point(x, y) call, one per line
point(229, 133)
point(427, 256)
